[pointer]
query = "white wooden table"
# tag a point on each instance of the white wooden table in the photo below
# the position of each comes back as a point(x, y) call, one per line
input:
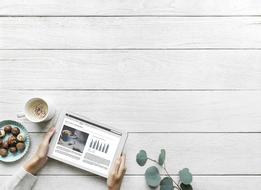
point(183, 75)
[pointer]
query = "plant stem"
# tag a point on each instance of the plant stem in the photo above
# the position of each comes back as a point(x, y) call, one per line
point(172, 178)
point(153, 160)
point(177, 186)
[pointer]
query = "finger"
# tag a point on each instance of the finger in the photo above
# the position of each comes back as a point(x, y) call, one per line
point(49, 135)
point(117, 165)
point(122, 168)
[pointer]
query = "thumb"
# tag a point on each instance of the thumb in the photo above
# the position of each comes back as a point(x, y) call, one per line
point(49, 135)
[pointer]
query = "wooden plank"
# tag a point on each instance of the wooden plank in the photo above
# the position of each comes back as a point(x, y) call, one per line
point(203, 153)
point(129, 32)
point(151, 111)
point(130, 183)
point(130, 7)
point(156, 69)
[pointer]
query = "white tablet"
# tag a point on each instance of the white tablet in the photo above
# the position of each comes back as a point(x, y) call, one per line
point(86, 144)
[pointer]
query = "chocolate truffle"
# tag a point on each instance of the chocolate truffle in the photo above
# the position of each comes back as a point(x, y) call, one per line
point(5, 145)
point(15, 131)
point(12, 141)
point(13, 149)
point(2, 133)
point(21, 137)
point(20, 146)
point(3, 152)
point(1, 143)
point(8, 128)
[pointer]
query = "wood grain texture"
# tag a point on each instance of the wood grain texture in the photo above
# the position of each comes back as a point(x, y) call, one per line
point(204, 154)
point(138, 183)
point(130, 7)
point(150, 69)
point(129, 32)
point(152, 111)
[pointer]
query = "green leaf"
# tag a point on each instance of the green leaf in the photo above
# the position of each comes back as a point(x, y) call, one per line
point(162, 157)
point(186, 187)
point(152, 177)
point(185, 176)
point(141, 158)
point(166, 184)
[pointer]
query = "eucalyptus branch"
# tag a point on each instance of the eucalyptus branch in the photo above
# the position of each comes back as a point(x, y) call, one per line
point(153, 176)
point(177, 186)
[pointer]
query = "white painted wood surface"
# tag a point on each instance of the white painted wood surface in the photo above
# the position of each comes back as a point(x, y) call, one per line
point(181, 75)
point(128, 69)
point(129, 32)
point(152, 111)
point(130, 7)
point(138, 183)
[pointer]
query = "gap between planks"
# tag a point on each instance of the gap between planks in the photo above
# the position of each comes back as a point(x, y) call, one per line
point(139, 175)
point(145, 15)
point(132, 90)
point(127, 49)
point(180, 132)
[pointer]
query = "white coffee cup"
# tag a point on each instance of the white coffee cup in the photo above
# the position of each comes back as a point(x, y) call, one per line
point(38, 110)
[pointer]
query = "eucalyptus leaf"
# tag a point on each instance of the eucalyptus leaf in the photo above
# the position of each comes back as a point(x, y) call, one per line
point(186, 187)
point(141, 158)
point(185, 176)
point(152, 177)
point(162, 156)
point(166, 184)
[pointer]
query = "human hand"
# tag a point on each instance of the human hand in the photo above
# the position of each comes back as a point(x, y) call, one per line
point(115, 179)
point(39, 159)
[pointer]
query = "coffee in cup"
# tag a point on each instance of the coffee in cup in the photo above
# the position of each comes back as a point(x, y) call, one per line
point(38, 110)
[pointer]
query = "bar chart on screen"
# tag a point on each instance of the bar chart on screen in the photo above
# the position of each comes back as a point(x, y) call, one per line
point(99, 145)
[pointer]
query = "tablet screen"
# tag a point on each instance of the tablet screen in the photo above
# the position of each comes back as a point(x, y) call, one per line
point(85, 144)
